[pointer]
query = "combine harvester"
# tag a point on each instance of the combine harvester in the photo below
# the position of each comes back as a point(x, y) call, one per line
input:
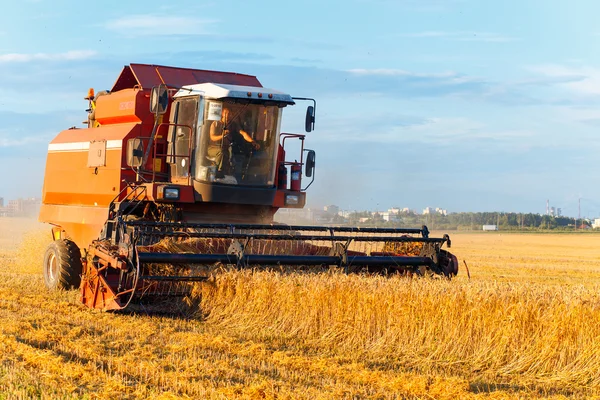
point(181, 170)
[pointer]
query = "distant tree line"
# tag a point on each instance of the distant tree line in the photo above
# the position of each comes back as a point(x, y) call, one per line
point(466, 221)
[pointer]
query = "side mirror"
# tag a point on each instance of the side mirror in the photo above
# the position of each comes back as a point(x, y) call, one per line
point(309, 123)
point(310, 163)
point(159, 100)
point(135, 152)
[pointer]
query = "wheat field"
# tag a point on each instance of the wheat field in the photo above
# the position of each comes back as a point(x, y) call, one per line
point(526, 325)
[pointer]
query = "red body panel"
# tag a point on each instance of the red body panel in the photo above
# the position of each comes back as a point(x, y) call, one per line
point(146, 76)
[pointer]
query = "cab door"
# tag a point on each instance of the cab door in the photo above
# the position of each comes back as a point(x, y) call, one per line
point(181, 138)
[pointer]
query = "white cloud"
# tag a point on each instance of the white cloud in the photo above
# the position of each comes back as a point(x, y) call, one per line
point(147, 24)
point(7, 141)
point(588, 116)
point(417, 5)
point(67, 56)
point(397, 72)
point(451, 130)
point(433, 130)
point(462, 36)
point(14, 99)
point(441, 77)
point(580, 114)
point(587, 82)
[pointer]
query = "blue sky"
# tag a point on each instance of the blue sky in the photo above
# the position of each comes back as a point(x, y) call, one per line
point(468, 105)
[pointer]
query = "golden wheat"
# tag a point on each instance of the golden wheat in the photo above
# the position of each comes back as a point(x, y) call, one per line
point(526, 325)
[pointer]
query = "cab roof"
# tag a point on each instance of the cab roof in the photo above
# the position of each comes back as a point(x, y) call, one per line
point(225, 91)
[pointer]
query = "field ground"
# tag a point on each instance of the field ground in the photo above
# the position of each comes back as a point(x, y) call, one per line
point(526, 325)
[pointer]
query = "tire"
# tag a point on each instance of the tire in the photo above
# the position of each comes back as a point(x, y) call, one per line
point(449, 263)
point(62, 265)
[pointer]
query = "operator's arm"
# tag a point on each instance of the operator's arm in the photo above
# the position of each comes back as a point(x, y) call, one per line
point(249, 139)
point(246, 136)
point(214, 131)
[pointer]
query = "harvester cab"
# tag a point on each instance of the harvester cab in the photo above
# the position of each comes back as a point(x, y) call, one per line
point(181, 170)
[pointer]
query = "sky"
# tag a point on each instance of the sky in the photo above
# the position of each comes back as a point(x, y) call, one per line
point(466, 105)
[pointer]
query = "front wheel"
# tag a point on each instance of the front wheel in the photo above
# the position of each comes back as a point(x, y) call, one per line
point(62, 265)
point(449, 263)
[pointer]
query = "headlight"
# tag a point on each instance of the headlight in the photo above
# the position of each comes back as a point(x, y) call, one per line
point(291, 200)
point(171, 193)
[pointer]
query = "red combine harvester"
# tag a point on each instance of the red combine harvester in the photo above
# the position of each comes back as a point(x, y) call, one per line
point(180, 170)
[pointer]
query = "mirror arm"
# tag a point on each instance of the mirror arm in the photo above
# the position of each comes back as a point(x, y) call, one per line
point(313, 168)
point(311, 182)
point(150, 143)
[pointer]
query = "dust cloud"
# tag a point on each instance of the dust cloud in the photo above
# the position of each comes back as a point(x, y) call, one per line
point(12, 231)
point(22, 244)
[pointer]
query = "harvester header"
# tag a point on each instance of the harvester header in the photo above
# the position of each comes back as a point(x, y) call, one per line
point(179, 170)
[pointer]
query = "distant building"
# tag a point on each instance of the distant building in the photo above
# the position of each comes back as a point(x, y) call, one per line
point(332, 209)
point(596, 223)
point(4, 211)
point(398, 210)
point(390, 217)
point(322, 216)
point(28, 207)
point(14, 206)
point(490, 227)
point(345, 213)
point(553, 211)
point(438, 210)
point(304, 216)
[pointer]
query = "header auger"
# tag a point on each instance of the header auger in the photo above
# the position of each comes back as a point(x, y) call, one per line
point(181, 170)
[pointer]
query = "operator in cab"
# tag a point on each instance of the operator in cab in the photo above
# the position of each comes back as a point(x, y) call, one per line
point(227, 146)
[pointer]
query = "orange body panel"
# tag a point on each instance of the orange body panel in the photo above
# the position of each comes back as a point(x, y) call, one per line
point(81, 224)
point(116, 132)
point(129, 105)
point(75, 196)
point(70, 182)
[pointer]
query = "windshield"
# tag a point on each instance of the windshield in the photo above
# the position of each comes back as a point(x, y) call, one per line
point(237, 144)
